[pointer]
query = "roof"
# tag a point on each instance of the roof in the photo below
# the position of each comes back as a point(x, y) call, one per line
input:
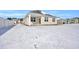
point(40, 12)
point(48, 15)
point(36, 11)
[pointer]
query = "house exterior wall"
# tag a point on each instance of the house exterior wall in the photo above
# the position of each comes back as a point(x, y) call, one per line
point(59, 21)
point(27, 20)
point(49, 21)
point(76, 21)
point(73, 21)
point(37, 21)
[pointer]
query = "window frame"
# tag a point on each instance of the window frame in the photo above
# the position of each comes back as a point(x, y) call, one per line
point(46, 19)
point(53, 19)
point(33, 19)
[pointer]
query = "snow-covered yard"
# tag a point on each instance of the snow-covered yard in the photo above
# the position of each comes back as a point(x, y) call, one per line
point(41, 37)
point(4, 29)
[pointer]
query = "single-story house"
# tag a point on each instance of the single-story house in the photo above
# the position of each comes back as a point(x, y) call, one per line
point(71, 21)
point(74, 21)
point(36, 17)
point(5, 22)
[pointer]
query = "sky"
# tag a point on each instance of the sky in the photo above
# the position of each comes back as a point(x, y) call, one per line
point(22, 13)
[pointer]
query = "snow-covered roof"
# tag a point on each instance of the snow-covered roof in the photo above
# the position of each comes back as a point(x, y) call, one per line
point(41, 13)
point(36, 11)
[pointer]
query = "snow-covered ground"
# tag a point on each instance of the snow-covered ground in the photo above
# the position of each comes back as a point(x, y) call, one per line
point(5, 25)
point(41, 37)
point(5, 29)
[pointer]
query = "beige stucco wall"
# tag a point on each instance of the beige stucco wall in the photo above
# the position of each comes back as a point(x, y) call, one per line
point(37, 20)
point(49, 21)
point(26, 19)
point(76, 21)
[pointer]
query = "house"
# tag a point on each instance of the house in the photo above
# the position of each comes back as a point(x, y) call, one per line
point(13, 20)
point(72, 21)
point(59, 20)
point(5, 22)
point(17, 20)
point(37, 17)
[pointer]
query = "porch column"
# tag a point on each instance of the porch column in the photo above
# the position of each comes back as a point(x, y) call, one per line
point(29, 20)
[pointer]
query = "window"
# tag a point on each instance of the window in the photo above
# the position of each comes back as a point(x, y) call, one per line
point(53, 19)
point(33, 19)
point(46, 19)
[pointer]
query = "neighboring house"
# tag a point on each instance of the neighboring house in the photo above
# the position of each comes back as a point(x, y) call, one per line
point(72, 21)
point(17, 21)
point(38, 18)
point(13, 20)
point(5, 22)
point(59, 20)
point(65, 21)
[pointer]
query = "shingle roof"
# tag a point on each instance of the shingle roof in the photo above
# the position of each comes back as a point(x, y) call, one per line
point(40, 12)
point(36, 11)
point(48, 15)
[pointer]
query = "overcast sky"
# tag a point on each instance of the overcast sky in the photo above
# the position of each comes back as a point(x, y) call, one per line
point(22, 13)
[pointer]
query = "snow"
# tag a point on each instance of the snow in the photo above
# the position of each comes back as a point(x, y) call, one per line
point(5, 25)
point(41, 37)
point(5, 29)
point(43, 12)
